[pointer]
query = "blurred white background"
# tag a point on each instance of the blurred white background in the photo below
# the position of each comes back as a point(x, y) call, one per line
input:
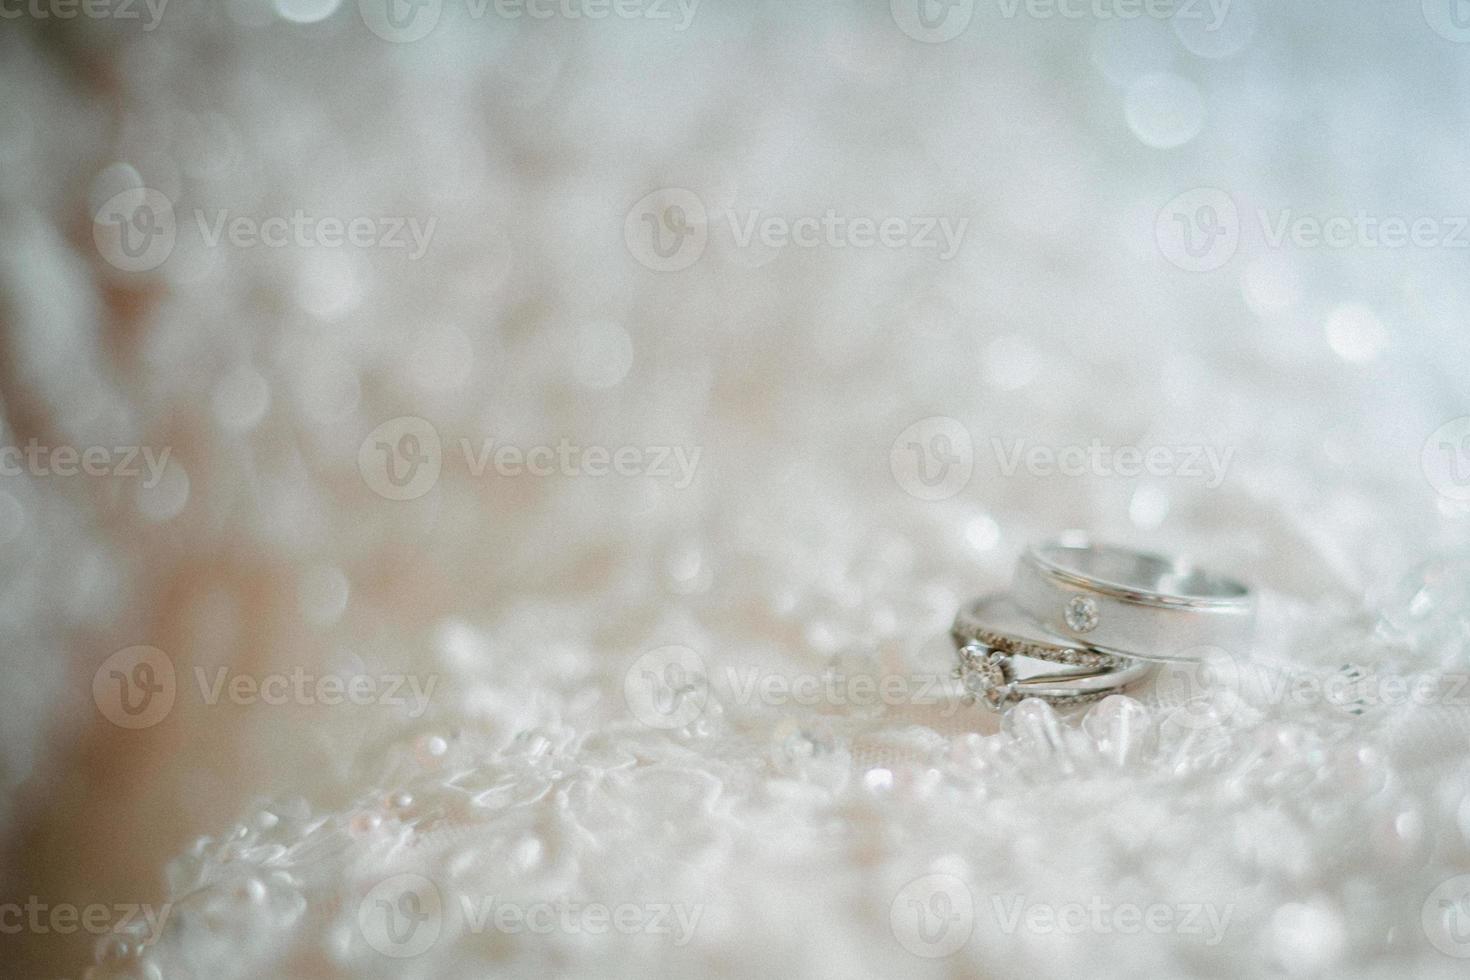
point(470, 356)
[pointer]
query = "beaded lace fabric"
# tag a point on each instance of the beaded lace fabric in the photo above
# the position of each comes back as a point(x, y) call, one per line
point(1287, 815)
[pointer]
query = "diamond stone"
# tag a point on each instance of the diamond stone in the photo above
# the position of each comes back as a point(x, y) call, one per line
point(1081, 614)
point(982, 672)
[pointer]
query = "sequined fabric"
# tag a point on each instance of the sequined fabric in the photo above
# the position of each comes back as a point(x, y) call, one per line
point(650, 621)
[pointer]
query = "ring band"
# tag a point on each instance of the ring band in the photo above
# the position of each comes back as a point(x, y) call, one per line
point(1131, 603)
point(992, 633)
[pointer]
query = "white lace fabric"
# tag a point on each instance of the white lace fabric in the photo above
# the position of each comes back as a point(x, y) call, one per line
point(1278, 815)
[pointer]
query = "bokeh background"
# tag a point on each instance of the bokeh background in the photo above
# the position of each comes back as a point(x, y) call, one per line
point(806, 301)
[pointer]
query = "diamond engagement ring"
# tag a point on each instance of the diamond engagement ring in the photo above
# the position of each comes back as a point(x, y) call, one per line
point(1004, 658)
point(1131, 603)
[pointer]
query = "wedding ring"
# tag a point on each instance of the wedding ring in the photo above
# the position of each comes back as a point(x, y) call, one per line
point(1004, 658)
point(1131, 603)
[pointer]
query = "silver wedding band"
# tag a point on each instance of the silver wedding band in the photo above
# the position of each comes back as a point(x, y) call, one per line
point(1132, 603)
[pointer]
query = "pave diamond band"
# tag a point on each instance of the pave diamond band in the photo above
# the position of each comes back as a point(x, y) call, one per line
point(1132, 603)
point(1003, 658)
point(996, 621)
